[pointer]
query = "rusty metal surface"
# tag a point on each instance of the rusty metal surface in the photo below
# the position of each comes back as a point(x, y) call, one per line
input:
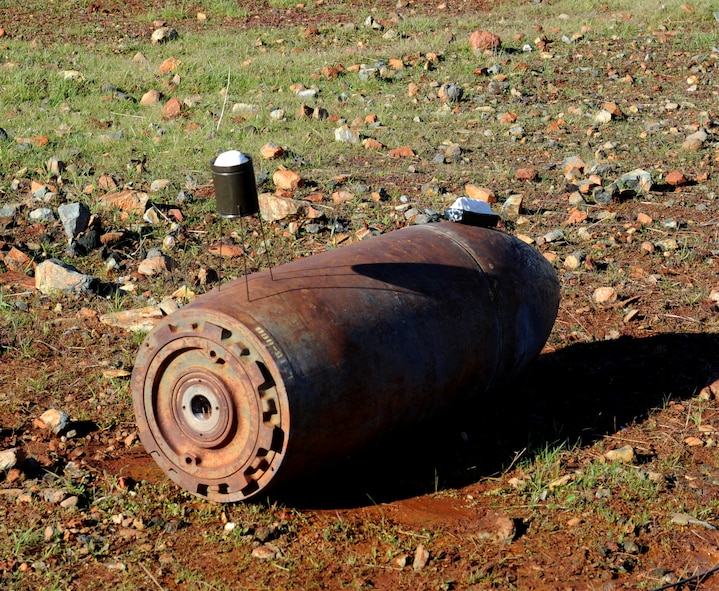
point(235, 396)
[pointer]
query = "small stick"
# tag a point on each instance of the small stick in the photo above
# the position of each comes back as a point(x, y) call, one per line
point(224, 103)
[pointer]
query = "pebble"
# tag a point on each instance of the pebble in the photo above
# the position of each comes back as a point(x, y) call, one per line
point(163, 35)
point(274, 208)
point(52, 495)
point(347, 134)
point(42, 214)
point(75, 218)
point(8, 459)
point(287, 179)
point(623, 454)
point(53, 275)
point(56, 420)
point(264, 553)
point(155, 264)
point(512, 207)
point(604, 295)
point(421, 557)
point(159, 185)
point(695, 141)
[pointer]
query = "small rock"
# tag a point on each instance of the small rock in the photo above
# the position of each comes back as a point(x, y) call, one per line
point(172, 108)
point(55, 420)
point(75, 218)
point(402, 152)
point(480, 193)
point(421, 557)
point(287, 179)
point(55, 166)
point(347, 134)
point(695, 141)
point(42, 215)
point(603, 116)
point(8, 459)
point(159, 185)
point(245, 109)
point(275, 208)
point(512, 207)
point(484, 40)
point(638, 180)
point(53, 495)
point(52, 276)
point(163, 35)
point(151, 97)
point(623, 454)
point(676, 178)
point(137, 320)
point(70, 502)
point(127, 200)
point(450, 93)
point(526, 174)
point(271, 151)
point(153, 265)
point(169, 65)
point(264, 553)
point(605, 295)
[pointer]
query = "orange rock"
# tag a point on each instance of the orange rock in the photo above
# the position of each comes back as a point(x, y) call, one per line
point(614, 110)
point(36, 186)
point(169, 65)
point(151, 97)
point(412, 89)
point(342, 196)
point(644, 219)
point(484, 40)
point(676, 179)
point(480, 193)
point(526, 174)
point(395, 63)
point(507, 118)
point(372, 144)
point(403, 152)
point(576, 216)
point(287, 179)
point(172, 108)
point(127, 200)
point(271, 151)
point(17, 260)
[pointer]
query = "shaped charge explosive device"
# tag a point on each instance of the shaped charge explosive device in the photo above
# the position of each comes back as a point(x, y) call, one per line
point(234, 396)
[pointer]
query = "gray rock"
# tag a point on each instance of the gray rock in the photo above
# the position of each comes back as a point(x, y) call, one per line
point(53, 495)
point(451, 93)
point(638, 180)
point(8, 211)
point(42, 214)
point(53, 276)
point(347, 134)
point(74, 217)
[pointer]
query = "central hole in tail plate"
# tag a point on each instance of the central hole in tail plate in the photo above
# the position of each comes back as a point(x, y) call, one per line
point(201, 408)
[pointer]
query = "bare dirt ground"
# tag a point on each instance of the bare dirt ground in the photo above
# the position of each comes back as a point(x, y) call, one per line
point(628, 372)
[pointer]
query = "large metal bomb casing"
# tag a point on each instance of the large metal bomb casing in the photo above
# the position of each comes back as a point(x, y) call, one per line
point(235, 396)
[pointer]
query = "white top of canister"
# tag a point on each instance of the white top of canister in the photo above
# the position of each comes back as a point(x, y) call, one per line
point(473, 205)
point(231, 158)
